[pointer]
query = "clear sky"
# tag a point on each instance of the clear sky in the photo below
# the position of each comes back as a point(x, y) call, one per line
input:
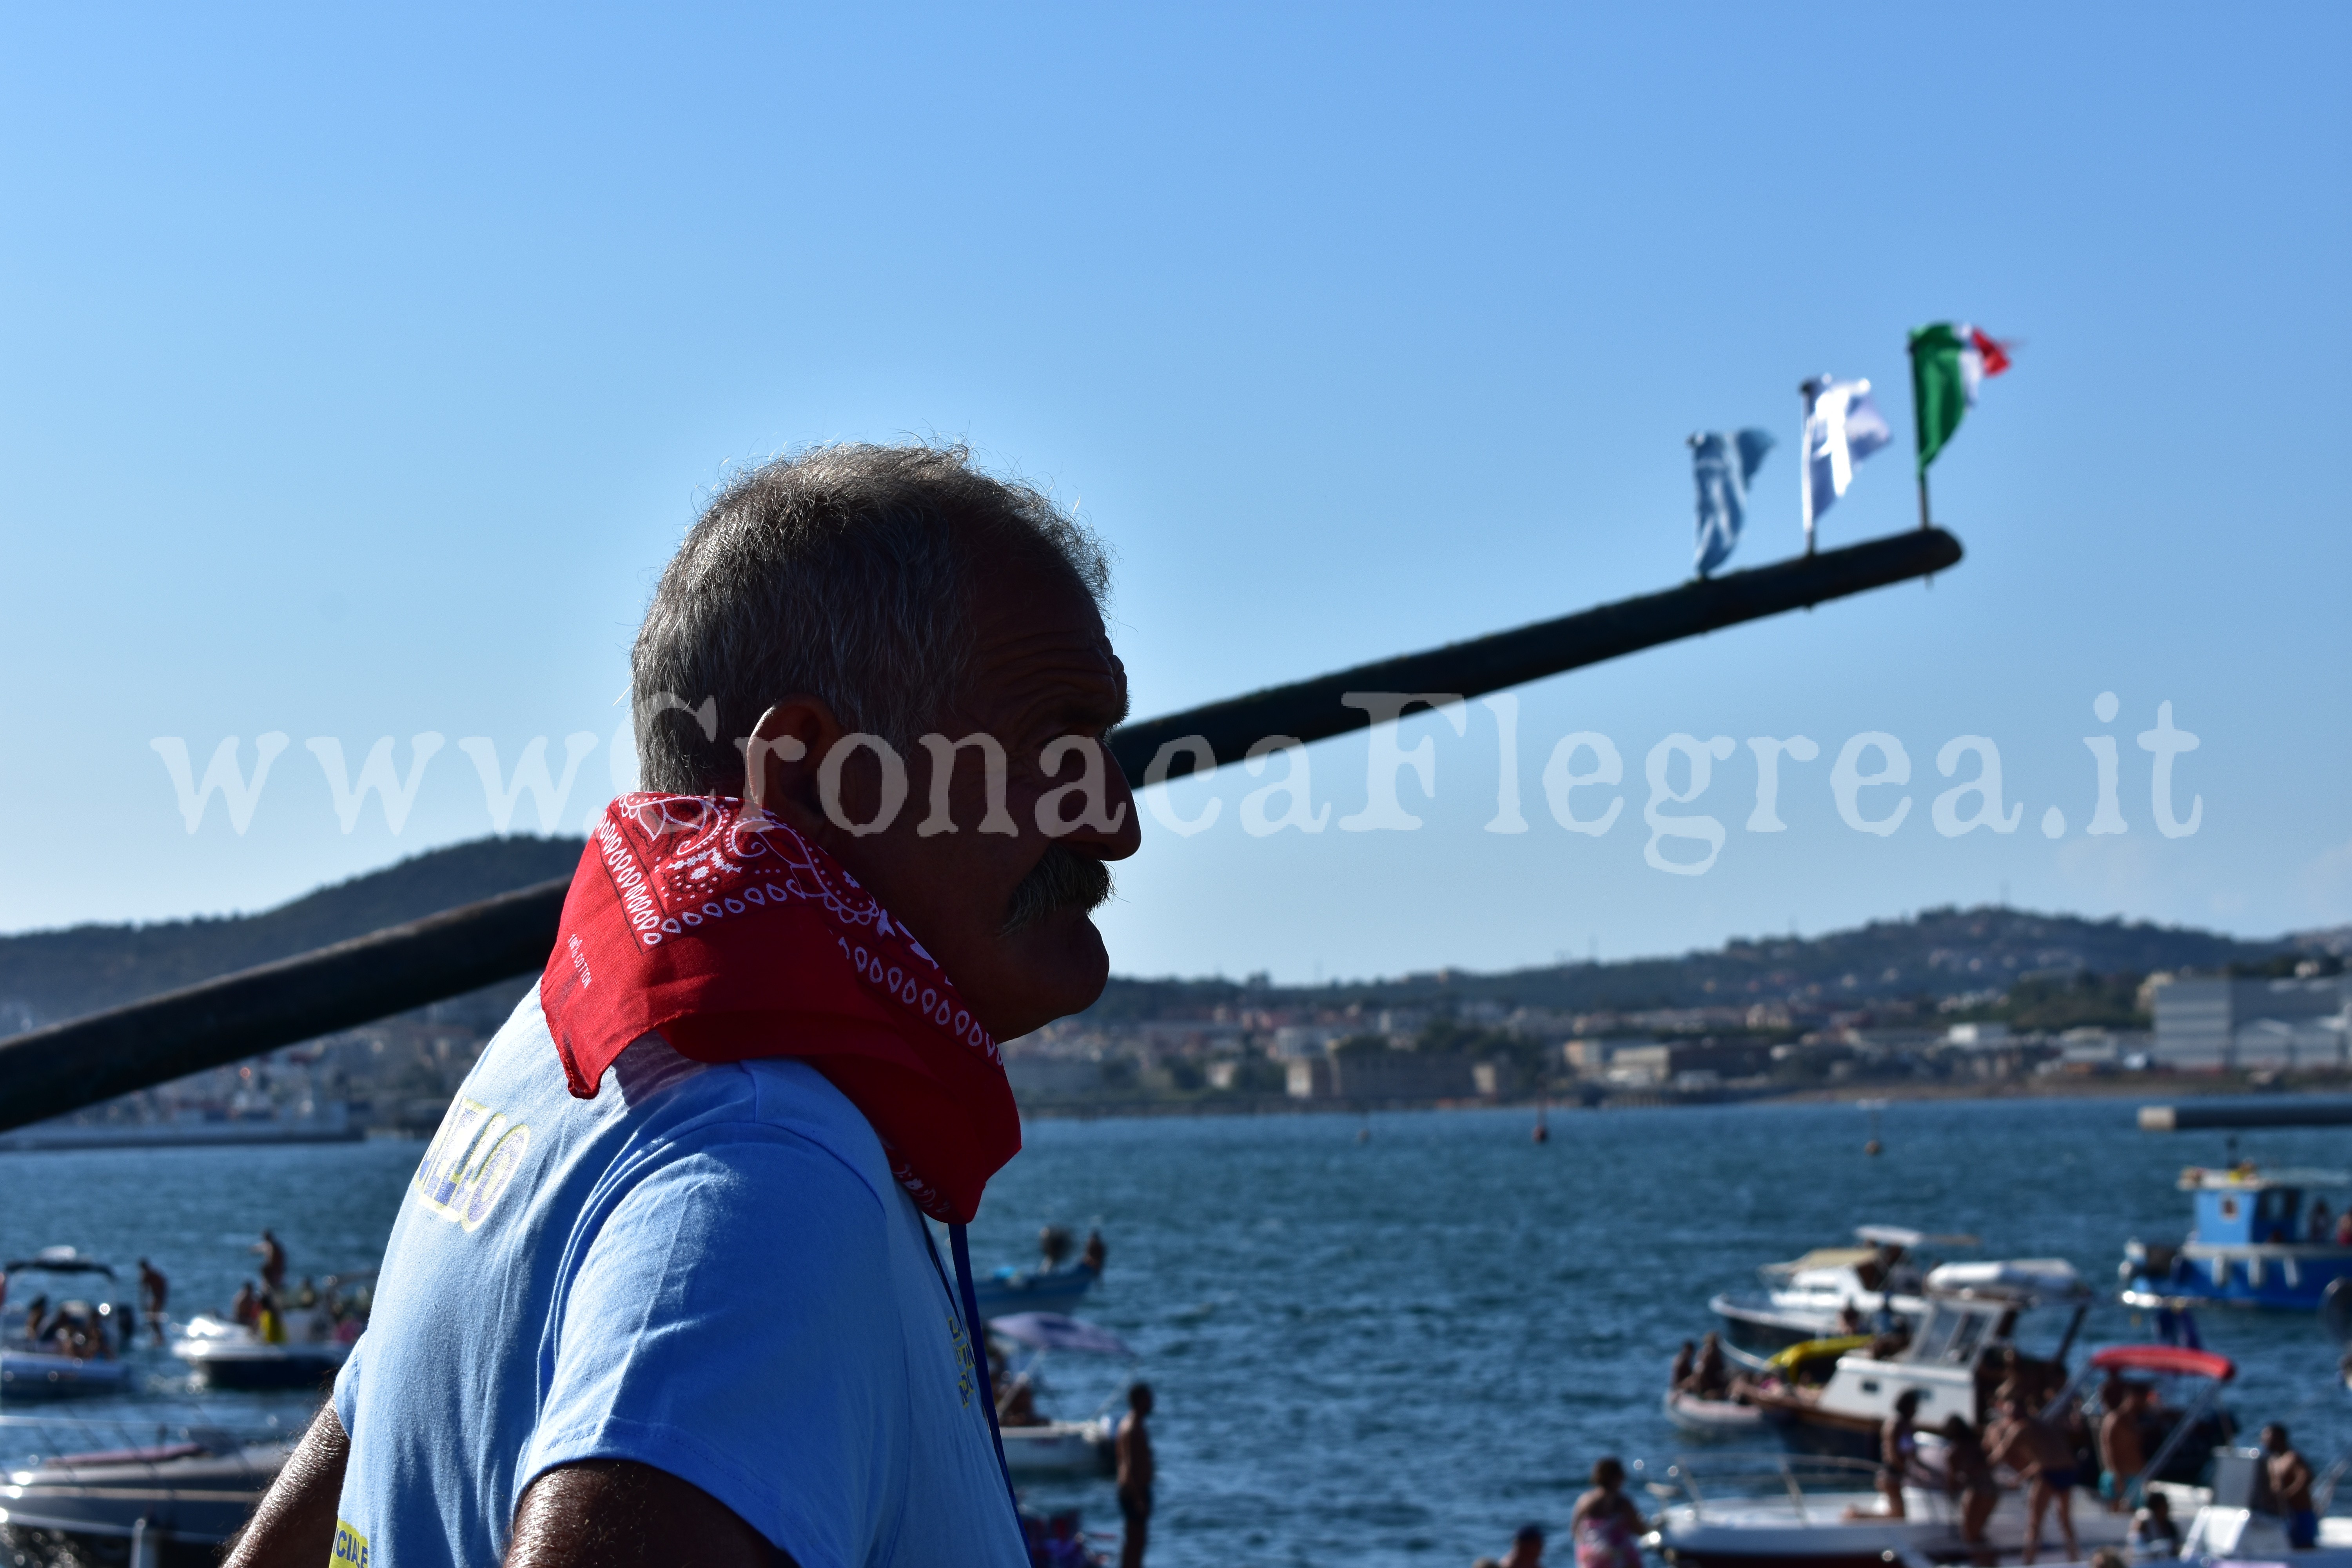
point(360, 369)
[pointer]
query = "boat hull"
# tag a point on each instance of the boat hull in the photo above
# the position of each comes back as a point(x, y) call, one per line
point(1713, 1419)
point(1056, 1290)
point(25, 1375)
point(1768, 1531)
point(262, 1366)
point(1060, 1449)
point(2277, 1278)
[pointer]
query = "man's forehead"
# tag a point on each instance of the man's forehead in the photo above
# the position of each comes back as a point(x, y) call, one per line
point(1044, 645)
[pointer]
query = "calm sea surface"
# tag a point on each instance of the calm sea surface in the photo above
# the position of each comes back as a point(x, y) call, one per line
point(1380, 1352)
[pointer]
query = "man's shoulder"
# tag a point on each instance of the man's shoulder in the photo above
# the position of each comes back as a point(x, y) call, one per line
point(655, 1106)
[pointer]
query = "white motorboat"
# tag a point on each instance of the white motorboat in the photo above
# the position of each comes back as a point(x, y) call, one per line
point(225, 1355)
point(1036, 1444)
point(149, 1483)
point(1778, 1510)
point(1771, 1511)
point(1973, 1313)
point(76, 1348)
point(1806, 1297)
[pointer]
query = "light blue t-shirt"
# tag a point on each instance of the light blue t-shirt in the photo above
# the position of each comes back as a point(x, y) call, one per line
point(707, 1269)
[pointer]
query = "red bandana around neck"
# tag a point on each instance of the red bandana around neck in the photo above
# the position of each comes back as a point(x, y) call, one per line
point(737, 939)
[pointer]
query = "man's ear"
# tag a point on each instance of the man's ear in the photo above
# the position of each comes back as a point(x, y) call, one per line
point(781, 756)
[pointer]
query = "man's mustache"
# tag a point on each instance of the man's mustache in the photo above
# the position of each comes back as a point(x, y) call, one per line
point(1061, 879)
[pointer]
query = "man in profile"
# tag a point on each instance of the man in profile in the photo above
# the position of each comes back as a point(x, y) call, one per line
point(662, 1290)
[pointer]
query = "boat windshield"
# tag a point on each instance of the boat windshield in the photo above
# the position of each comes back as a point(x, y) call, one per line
point(1953, 1333)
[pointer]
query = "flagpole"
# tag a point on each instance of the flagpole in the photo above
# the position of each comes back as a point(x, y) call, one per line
point(1923, 498)
point(1805, 463)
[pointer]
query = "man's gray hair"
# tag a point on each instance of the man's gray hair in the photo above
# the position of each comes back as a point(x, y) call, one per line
point(847, 571)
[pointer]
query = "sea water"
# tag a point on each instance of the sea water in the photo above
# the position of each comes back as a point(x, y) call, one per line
point(1372, 1342)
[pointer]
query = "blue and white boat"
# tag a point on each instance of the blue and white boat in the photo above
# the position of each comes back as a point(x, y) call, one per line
point(2260, 1239)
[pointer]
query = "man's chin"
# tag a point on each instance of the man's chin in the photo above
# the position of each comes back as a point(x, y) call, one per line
point(1062, 965)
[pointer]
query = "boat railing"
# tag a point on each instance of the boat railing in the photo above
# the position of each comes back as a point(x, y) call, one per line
point(70, 1450)
point(1711, 1480)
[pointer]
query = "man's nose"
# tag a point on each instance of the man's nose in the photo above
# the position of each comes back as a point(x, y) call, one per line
point(1119, 806)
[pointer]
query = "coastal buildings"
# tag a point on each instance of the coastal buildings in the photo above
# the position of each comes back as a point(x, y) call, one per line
point(2232, 1024)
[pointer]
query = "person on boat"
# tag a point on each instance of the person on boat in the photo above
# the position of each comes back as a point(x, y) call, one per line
point(1710, 1379)
point(1848, 1319)
point(1016, 1396)
point(1686, 1362)
point(36, 1312)
point(2153, 1533)
point(273, 1262)
point(1095, 1255)
point(1526, 1548)
point(2344, 1226)
point(154, 1294)
point(1898, 1450)
point(1138, 1473)
point(2290, 1477)
point(2123, 1449)
point(2039, 1453)
point(1605, 1526)
point(245, 1307)
point(664, 1291)
point(2322, 1223)
point(1969, 1480)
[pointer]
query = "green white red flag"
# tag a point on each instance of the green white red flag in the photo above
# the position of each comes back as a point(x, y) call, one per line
point(1948, 360)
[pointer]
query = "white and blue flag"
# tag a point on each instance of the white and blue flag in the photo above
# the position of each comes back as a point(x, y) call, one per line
point(1723, 461)
point(1842, 427)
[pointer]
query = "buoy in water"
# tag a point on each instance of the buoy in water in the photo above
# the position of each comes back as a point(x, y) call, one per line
point(1542, 1133)
point(1874, 1147)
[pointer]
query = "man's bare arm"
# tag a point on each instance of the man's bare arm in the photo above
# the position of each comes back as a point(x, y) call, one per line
point(614, 1514)
point(295, 1525)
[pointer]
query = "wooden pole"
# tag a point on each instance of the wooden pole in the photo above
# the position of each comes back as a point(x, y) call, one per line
point(65, 1067)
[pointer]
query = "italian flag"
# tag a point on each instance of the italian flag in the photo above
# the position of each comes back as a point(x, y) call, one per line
point(1948, 361)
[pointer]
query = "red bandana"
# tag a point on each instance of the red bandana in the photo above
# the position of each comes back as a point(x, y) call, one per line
point(737, 938)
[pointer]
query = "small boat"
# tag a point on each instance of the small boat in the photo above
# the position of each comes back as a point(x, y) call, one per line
point(1056, 1285)
point(1036, 1445)
point(1696, 1416)
point(2249, 1244)
point(76, 1348)
point(225, 1355)
point(152, 1484)
point(1011, 1291)
point(1733, 1415)
point(1806, 1297)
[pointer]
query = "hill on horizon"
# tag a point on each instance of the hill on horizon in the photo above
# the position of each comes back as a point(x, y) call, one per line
point(46, 976)
point(1935, 954)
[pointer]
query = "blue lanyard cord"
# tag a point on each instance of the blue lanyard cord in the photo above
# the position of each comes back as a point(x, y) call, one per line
point(960, 1245)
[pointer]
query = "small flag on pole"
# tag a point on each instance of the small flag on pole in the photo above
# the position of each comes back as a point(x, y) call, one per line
point(1948, 360)
point(1842, 427)
point(1723, 461)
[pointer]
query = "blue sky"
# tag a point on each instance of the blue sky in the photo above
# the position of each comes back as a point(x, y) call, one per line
point(362, 369)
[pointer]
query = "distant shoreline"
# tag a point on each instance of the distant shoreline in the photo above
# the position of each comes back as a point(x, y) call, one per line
point(2146, 1088)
